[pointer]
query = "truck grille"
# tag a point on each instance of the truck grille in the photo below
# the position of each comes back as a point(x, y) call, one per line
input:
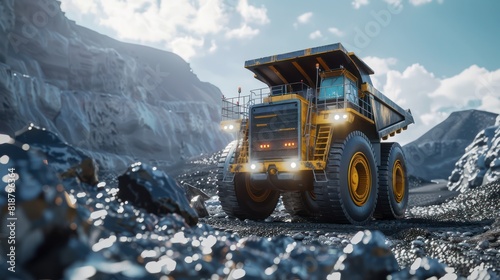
point(274, 131)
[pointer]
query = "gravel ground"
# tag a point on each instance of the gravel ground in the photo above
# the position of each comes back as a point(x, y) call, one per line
point(460, 230)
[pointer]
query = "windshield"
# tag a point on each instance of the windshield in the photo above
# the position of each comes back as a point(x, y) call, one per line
point(331, 88)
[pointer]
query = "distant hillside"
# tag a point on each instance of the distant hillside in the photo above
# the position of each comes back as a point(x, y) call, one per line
point(434, 154)
point(100, 94)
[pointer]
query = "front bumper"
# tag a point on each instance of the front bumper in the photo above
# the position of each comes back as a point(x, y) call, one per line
point(276, 167)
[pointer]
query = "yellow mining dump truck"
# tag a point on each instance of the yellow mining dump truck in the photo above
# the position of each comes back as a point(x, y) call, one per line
point(313, 136)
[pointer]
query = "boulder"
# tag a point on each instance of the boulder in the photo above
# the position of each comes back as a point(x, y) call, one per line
point(149, 188)
point(366, 257)
point(41, 220)
point(197, 199)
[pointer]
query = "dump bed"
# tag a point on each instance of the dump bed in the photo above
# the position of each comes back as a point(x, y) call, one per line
point(302, 67)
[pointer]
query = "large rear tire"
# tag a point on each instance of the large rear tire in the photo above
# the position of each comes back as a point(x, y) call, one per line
point(393, 183)
point(241, 198)
point(350, 193)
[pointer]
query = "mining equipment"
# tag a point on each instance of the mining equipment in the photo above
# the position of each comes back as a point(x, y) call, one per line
point(316, 137)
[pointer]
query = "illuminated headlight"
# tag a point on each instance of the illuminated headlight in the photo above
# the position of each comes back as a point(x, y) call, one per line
point(231, 127)
point(344, 116)
point(336, 117)
point(293, 164)
point(225, 127)
point(253, 166)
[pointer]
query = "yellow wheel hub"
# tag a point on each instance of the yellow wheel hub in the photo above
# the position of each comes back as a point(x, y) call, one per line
point(359, 176)
point(257, 195)
point(398, 181)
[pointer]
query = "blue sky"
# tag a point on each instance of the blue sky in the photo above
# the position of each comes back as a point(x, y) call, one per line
point(432, 56)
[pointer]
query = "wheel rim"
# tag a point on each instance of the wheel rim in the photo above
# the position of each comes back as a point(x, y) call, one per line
point(359, 177)
point(398, 181)
point(257, 195)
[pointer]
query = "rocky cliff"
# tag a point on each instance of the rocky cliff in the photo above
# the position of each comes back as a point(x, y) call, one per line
point(99, 94)
point(481, 162)
point(434, 154)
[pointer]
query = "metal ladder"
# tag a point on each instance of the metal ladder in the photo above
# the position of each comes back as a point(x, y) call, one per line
point(309, 125)
point(321, 149)
point(323, 142)
point(320, 176)
point(242, 156)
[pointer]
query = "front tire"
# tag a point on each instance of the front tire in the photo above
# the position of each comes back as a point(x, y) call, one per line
point(240, 197)
point(301, 203)
point(350, 193)
point(393, 180)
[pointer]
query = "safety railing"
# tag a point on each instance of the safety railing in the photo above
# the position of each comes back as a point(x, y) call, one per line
point(234, 108)
point(328, 98)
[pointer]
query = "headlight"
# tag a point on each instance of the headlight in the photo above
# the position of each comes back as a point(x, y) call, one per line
point(225, 127)
point(340, 117)
point(231, 127)
point(293, 164)
point(253, 166)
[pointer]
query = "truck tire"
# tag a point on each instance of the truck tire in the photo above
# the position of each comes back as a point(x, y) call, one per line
point(239, 197)
point(350, 193)
point(393, 183)
point(300, 203)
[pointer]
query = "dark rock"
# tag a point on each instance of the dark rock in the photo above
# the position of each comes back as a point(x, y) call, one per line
point(480, 273)
point(198, 204)
point(368, 251)
point(47, 239)
point(28, 168)
point(421, 269)
point(197, 199)
point(86, 172)
point(65, 159)
point(155, 191)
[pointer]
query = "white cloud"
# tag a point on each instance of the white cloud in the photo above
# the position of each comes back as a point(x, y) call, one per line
point(335, 31)
point(186, 23)
point(209, 17)
point(432, 99)
point(419, 2)
point(380, 66)
point(304, 18)
point(474, 85)
point(213, 47)
point(147, 22)
point(186, 46)
point(252, 14)
point(358, 3)
point(243, 32)
point(315, 35)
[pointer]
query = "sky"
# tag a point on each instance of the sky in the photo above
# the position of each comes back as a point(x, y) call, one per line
point(431, 56)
